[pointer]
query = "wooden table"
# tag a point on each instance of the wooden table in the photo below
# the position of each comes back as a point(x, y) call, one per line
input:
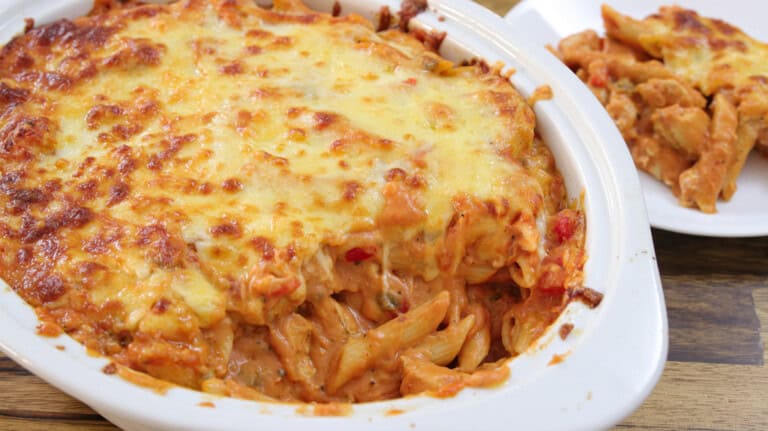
point(716, 378)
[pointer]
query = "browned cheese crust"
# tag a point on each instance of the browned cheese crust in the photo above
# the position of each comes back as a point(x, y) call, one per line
point(277, 204)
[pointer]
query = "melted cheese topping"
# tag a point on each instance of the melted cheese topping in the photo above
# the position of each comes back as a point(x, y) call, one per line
point(174, 175)
point(709, 52)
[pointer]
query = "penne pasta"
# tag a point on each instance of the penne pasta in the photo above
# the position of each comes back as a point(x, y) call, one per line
point(403, 331)
point(475, 349)
point(442, 347)
point(423, 376)
point(290, 338)
point(702, 184)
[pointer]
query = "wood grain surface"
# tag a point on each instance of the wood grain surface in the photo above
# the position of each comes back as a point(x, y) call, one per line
point(716, 378)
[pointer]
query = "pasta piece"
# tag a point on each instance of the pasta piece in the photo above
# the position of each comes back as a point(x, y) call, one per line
point(685, 129)
point(660, 93)
point(516, 335)
point(575, 49)
point(479, 273)
point(624, 113)
point(638, 71)
point(478, 344)
point(359, 353)
point(701, 185)
point(423, 376)
point(443, 346)
point(337, 318)
point(349, 322)
point(747, 134)
point(291, 339)
point(628, 30)
point(526, 258)
point(415, 324)
point(753, 110)
point(221, 337)
point(458, 292)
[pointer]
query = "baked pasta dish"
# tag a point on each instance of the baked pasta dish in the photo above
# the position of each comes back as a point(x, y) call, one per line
point(277, 203)
point(689, 94)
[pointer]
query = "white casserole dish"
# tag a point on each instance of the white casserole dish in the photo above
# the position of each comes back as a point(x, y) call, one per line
point(614, 356)
point(744, 214)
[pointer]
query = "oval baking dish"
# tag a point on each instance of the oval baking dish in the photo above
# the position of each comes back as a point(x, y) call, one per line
point(612, 359)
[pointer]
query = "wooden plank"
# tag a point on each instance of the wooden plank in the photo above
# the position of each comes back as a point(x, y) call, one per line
point(694, 255)
point(29, 396)
point(696, 396)
point(47, 424)
point(713, 320)
point(662, 428)
point(9, 367)
point(760, 296)
point(28, 403)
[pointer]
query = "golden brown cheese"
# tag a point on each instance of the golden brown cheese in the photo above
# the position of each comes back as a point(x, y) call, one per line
point(694, 145)
point(710, 53)
point(236, 199)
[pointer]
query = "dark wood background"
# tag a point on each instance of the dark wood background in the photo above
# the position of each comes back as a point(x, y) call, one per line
point(716, 378)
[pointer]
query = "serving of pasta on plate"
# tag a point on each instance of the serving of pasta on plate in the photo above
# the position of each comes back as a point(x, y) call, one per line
point(689, 94)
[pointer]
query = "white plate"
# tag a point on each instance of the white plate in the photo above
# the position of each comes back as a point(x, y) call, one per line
point(548, 21)
point(614, 356)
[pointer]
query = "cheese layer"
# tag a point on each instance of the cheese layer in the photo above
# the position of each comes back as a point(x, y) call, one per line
point(173, 173)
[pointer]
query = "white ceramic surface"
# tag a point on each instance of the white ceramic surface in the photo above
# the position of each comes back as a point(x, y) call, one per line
point(614, 356)
point(548, 21)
